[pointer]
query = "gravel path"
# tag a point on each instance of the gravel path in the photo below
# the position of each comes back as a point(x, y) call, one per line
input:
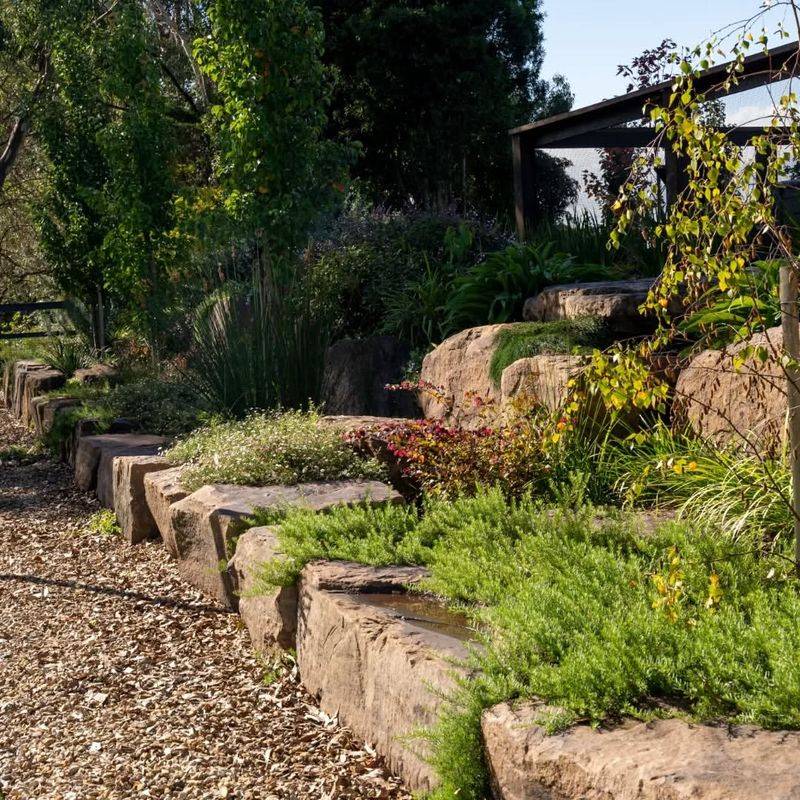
point(119, 681)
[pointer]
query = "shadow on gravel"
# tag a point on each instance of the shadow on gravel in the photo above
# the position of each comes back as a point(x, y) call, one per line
point(124, 594)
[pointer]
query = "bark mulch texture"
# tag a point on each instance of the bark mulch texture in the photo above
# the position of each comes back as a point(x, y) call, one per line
point(119, 681)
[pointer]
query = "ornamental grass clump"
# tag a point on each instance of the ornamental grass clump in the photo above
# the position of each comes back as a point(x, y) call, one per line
point(264, 449)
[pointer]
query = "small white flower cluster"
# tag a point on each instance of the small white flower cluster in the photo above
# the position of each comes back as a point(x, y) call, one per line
point(267, 449)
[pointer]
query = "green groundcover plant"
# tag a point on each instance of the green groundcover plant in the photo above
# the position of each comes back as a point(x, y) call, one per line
point(580, 607)
point(526, 339)
point(268, 448)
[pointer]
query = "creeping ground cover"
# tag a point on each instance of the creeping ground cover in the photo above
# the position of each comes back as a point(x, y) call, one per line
point(267, 448)
point(590, 610)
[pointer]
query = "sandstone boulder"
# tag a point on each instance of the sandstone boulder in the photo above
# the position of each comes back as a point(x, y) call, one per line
point(543, 379)
point(357, 372)
point(660, 760)
point(94, 459)
point(270, 613)
point(727, 405)
point(615, 302)
point(378, 660)
point(459, 366)
point(36, 384)
point(97, 373)
point(130, 503)
point(205, 537)
point(162, 489)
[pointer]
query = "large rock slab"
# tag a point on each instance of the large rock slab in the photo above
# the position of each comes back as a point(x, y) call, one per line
point(270, 613)
point(94, 459)
point(661, 760)
point(377, 664)
point(162, 490)
point(38, 383)
point(130, 503)
point(731, 406)
point(615, 302)
point(96, 373)
point(459, 368)
point(357, 372)
point(541, 379)
point(205, 537)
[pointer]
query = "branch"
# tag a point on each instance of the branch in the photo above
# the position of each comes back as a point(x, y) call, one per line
point(20, 128)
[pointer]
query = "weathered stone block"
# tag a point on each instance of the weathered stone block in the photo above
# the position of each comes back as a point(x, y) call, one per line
point(660, 760)
point(543, 379)
point(732, 405)
point(97, 373)
point(37, 383)
point(130, 503)
point(270, 613)
point(22, 370)
point(163, 489)
point(377, 659)
point(94, 459)
point(615, 302)
point(47, 409)
point(459, 366)
point(202, 521)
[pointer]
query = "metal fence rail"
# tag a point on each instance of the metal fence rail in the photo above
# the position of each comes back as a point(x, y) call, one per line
point(29, 308)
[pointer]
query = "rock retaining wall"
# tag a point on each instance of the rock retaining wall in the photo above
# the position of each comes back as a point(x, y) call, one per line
point(381, 660)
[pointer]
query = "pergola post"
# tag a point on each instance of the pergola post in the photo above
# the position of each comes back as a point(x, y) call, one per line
point(525, 211)
point(675, 176)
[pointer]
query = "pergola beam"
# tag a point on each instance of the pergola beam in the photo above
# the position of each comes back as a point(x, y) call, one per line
point(593, 126)
point(639, 137)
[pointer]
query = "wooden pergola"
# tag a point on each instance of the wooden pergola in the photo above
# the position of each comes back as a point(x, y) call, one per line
point(594, 126)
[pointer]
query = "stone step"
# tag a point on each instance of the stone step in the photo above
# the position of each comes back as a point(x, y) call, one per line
point(270, 613)
point(377, 658)
point(130, 502)
point(661, 760)
point(202, 522)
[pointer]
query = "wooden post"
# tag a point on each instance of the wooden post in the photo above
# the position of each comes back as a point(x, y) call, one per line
point(791, 347)
point(675, 178)
point(525, 210)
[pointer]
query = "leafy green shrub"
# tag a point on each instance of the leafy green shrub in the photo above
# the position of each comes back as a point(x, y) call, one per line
point(103, 523)
point(450, 461)
point(526, 339)
point(162, 406)
point(750, 305)
point(496, 289)
point(582, 609)
point(391, 272)
point(269, 448)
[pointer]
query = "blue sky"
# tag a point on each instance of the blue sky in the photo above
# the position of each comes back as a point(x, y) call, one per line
point(586, 39)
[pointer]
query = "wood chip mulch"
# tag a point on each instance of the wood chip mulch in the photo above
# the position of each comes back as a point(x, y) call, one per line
point(117, 680)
